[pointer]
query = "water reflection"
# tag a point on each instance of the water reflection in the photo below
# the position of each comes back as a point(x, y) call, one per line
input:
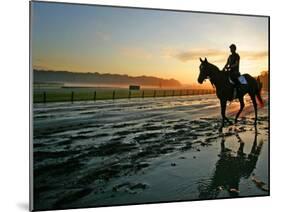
point(230, 168)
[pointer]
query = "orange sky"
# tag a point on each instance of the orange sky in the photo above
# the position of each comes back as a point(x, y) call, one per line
point(143, 42)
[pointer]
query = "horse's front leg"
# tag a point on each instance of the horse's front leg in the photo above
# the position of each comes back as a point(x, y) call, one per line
point(223, 107)
point(229, 122)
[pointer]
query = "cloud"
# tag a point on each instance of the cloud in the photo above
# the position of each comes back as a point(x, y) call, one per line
point(213, 54)
point(194, 54)
point(136, 52)
point(254, 55)
point(103, 36)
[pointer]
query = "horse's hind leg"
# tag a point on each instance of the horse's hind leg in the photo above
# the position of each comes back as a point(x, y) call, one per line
point(242, 105)
point(255, 107)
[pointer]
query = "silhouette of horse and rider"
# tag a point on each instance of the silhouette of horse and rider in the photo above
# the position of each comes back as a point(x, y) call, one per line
point(228, 86)
point(230, 168)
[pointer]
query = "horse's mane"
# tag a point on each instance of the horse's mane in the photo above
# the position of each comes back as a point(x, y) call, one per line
point(214, 68)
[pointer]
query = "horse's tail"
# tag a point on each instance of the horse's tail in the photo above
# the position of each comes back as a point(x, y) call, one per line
point(256, 86)
point(258, 92)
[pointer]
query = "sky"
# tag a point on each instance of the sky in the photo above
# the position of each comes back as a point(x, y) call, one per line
point(137, 42)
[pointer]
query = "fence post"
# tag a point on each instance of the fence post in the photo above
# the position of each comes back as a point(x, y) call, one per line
point(44, 97)
point(95, 95)
point(173, 93)
point(72, 96)
point(113, 95)
point(129, 96)
point(180, 92)
point(142, 94)
point(164, 93)
point(154, 95)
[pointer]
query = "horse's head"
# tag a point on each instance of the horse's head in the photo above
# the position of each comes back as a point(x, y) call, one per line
point(203, 72)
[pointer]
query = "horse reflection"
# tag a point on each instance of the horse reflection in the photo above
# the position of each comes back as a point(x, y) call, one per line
point(230, 168)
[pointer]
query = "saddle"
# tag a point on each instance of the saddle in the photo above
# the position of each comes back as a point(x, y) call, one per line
point(242, 81)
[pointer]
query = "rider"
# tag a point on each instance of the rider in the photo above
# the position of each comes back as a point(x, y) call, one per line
point(232, 65)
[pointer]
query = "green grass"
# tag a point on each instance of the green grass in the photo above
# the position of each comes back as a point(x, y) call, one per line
point(83, 94)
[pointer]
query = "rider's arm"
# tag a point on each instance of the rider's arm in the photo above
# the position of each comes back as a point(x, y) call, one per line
point(226, 65)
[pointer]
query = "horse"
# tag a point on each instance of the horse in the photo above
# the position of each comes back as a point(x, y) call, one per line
point(225, 90)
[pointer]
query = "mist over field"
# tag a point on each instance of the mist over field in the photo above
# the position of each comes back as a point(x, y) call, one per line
point(101, 79)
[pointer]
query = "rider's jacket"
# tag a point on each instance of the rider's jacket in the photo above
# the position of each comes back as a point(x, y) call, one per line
point(232, 59)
